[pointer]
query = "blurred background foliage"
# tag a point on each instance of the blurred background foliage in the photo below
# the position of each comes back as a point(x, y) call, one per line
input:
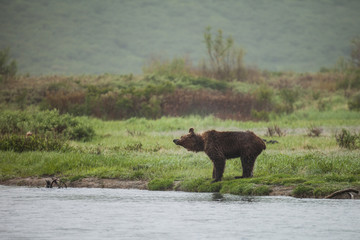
point(96, 37)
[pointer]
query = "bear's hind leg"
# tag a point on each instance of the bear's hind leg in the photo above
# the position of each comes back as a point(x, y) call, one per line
point(248, 167)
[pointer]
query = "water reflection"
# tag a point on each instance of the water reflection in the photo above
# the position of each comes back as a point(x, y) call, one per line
point(217, 197)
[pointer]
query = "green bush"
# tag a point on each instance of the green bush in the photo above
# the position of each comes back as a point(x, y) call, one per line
point(225, 60)
point(289, 96)
point(264, 96)
point(207, 83)
point(354, 102)
point(176, 66)
point(17, 143)
point(140, 101)
point(81, 132)
point(45, 122)
point(348, 140)
point(260, 115)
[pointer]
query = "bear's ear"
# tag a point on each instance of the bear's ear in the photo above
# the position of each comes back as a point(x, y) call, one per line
point(191, 130)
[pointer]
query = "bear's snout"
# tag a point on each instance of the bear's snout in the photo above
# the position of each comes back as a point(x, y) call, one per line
point(176, 141)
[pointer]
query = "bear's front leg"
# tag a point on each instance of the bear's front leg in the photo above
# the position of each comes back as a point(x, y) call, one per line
point(218, 170)
point(218, 160)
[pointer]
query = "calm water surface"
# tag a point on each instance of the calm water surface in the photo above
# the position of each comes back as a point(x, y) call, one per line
point(80, 213)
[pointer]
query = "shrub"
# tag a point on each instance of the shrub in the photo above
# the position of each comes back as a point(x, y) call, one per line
point(66, 102)
point(20, 143)
point(264, 96)
point(45, 122)
point(260, 115)
point(323, 105)
point(271, 131)
point(12, 122)
point(226, 61)
point(205, 82)
point(140, 101)
point(354, 103)
point(81, 132)
point(345, 139)
point(314, 131)
point(224, 105)
point(289, 96)
point(134, 147)
point(177, 66)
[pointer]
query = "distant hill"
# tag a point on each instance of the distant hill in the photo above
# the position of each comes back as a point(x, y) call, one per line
point(111, 36)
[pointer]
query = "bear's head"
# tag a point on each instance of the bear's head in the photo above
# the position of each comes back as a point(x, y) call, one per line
point(191, 141)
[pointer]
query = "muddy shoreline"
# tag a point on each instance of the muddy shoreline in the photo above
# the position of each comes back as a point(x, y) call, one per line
point(110, 183)
point(81, 183)
point(130, 184)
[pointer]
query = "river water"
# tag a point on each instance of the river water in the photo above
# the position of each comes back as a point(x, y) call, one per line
point(85, 213)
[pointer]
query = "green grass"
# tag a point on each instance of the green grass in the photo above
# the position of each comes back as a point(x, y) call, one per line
point(140, 149)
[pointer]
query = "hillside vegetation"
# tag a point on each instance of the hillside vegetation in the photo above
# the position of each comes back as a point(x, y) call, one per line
point(222, 87)
point(96, 37)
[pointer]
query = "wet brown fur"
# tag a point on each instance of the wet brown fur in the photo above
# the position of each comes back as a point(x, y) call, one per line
point(220, 146)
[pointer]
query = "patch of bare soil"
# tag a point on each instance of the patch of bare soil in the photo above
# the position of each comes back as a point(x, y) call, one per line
point(281, 191)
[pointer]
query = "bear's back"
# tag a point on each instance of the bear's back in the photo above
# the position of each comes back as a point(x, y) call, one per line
point(233, 144)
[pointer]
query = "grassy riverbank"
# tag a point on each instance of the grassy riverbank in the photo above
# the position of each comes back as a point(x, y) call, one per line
point(140, 149)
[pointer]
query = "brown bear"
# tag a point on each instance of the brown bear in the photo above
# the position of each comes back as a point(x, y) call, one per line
point(220, 146)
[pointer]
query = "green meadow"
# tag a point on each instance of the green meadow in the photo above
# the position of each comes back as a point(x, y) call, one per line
point(141, 149)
